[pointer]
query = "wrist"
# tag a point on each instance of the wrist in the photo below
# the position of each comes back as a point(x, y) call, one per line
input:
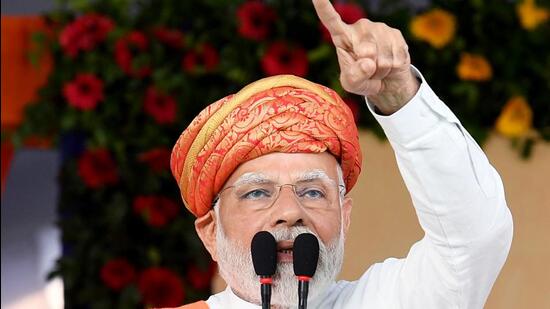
point(396, 94)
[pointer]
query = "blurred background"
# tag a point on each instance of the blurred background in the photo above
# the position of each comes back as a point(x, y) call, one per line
point(95, 93)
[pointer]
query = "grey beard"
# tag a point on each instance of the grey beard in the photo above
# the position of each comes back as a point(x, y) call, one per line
point(236, 268)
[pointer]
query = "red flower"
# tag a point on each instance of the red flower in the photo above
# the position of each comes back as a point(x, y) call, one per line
point(203, 58)
point(161, 107)
point(350, 13)
point(171, 37)
point(255, 20)
point(161, 287)
point(280, 58)
point(158, 159)
point(117, 274)
point(355, 110)
point(156, 210)
point(201, 279)
point(84, 92)
point(125, 48)
point(97, 168)
point(85, 33)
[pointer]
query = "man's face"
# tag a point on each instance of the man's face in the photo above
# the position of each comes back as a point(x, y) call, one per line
point(238, 219)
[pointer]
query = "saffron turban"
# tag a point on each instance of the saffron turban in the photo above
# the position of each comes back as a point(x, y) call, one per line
point(281, 113)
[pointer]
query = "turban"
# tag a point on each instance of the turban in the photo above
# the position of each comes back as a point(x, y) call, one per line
point(281, 113)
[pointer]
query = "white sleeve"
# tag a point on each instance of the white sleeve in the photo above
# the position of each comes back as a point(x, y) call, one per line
point(459, 200)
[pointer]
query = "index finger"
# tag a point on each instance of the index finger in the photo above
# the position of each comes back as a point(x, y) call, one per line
point(329, 17)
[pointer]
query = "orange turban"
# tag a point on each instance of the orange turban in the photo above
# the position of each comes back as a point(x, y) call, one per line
point(281, 113)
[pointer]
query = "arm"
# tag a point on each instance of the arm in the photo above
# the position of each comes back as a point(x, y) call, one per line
point(457, 194)
point(459, 199)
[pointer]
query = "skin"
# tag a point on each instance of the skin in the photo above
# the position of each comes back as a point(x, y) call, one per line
point(242, 224)
point(374, 62)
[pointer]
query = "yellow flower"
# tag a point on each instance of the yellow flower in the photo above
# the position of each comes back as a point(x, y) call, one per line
point(437, 27)
point(530, 15)
point(474, 67)
point(516, 117)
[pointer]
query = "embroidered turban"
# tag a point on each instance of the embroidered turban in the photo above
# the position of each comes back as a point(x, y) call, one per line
point(281, 113)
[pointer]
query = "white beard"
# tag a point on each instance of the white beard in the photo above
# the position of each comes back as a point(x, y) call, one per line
point(236, 268)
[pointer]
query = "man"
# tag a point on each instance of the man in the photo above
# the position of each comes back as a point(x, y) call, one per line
point(281, 154)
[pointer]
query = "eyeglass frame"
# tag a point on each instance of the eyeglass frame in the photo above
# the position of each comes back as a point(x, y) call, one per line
point(341, 188)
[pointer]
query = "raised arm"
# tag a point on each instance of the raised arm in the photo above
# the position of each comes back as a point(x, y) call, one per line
point(457, 194)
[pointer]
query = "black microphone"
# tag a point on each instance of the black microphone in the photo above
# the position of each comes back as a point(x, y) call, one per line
point(305, 254)
point(264, 258)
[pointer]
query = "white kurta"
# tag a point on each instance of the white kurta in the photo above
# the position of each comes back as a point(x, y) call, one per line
point(459, 199)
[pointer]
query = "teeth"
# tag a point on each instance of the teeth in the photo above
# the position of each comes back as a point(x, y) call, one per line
point(287, 251)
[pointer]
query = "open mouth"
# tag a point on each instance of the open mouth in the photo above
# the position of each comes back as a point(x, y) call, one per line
point(284, 251)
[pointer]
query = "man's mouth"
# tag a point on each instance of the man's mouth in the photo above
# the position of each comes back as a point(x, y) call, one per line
point(284, 251)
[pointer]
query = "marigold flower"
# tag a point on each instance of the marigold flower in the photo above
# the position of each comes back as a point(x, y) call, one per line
point(474, 67)
point(516, 117)
point(437, 27)
point(530, 15)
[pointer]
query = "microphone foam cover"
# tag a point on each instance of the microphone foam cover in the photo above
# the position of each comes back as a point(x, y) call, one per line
point(305, 254)
point(264, 253)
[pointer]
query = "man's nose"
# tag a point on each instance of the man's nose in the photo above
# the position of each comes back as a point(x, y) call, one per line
point(287, 209)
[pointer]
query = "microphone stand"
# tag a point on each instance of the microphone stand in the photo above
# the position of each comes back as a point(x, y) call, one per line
point(265, 290)
point(303, 290)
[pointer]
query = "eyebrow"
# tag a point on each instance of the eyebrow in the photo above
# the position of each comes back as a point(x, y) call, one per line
point(314, 175)
point(260, 178)
point(252, 178)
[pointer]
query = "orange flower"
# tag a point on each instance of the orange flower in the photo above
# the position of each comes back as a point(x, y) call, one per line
point(437, 27)
point(516, 117)
point(530, 15)
point(474, 67)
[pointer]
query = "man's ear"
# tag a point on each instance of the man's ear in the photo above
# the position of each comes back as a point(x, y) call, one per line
point(346, 213)
point(206, 229)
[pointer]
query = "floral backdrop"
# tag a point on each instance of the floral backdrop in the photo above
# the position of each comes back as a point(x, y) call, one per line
point(129, 76)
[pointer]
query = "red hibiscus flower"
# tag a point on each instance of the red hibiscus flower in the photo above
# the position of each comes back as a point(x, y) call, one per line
point(280, 58)
point(97, 168)
point(255, 20)
point(161, 287)
point(85, 33)
point(204, 58)
point(84, 92)
point(126, 48)
point(156, 210)
point(117, 274)
point(158, 159)
point(354, 106)
point(170, 37)
point(161, 107)
point(350, 13)
point(201, 279)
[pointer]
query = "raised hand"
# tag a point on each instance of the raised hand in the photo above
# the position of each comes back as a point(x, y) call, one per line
point(374, 59)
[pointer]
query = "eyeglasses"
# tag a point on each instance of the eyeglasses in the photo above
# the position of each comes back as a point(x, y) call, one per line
point(317, 194)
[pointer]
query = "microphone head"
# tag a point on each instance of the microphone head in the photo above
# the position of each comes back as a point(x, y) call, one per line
point(264, 254)
point(305, 254)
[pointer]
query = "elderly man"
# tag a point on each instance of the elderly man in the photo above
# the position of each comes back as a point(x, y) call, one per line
point(281, 154)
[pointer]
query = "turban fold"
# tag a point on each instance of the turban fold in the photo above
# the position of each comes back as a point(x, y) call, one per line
point(281, 113)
